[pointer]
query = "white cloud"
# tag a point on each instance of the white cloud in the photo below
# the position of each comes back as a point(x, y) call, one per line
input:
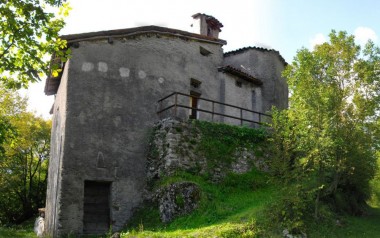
point(317, 40)
point(262, 45)
point(363, 34)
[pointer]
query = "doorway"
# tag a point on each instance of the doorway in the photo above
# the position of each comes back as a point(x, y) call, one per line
point(194, 103)
point(96, 207)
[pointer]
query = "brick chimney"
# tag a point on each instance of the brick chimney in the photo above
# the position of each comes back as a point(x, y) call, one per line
point(206, 25)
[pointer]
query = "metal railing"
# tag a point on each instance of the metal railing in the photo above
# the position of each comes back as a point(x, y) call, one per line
point(255, 118)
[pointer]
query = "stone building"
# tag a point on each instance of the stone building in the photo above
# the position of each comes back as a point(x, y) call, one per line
point(107, 99)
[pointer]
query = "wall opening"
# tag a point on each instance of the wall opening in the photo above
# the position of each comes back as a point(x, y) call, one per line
point(204, 51)
point(195, 84)
point(194, 103)
point(96, 207)
point(238, 84)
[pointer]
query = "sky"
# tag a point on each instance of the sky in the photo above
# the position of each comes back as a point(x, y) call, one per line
point(282, 25)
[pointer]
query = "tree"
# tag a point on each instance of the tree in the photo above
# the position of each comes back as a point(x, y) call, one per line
point(28, 33)
point(23, 161)
point(328, 138)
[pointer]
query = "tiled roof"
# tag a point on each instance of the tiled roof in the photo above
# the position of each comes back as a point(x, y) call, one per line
point(241, 50)
point(138, 31)
point(240, 74)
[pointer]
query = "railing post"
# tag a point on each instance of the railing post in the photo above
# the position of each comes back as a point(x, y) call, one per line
point(175, 104)
point(241, 116)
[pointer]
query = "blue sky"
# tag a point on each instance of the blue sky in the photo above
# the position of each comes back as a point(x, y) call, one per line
point(284, 25)
point(301, 21)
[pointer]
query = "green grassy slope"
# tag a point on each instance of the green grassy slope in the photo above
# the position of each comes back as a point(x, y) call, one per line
point(228, 209)
point(21, 231)
point(236, 208)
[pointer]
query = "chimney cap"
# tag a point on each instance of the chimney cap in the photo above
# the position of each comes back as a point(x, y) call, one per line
point(212, 21)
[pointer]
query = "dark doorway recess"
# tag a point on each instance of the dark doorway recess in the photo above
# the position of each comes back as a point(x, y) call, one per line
point(96, 207)
point(194, 99)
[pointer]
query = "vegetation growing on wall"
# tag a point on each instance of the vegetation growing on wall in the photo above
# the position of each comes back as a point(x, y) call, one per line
point(219, 141)
point(221, 198)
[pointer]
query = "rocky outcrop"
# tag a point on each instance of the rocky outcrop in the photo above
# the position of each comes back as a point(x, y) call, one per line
point(177, 199)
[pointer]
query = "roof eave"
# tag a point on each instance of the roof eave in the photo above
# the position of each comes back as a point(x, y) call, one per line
point(120, 33)
point(244, 49)
point(234, 71)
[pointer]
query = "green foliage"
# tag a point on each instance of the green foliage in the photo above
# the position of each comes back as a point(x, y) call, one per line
point(23, 163)
point(220, 141)
point(347, 226)
point(6, 132)
point(375, 187)
point(28, 34)
point(325, 143)
point(290, 210)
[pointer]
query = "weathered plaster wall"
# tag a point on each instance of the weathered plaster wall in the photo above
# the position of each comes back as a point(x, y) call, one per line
point(242, 97)
point(111, 92)
point(267, 66)
point(54, 191)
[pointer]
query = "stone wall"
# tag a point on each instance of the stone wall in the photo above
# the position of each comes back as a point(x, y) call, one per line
point(174, 148)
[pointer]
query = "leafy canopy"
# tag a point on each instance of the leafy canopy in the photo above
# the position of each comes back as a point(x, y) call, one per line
point(326, 142)
point(24, 152)
point(28, 34)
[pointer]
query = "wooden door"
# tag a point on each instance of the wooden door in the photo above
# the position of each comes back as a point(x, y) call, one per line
point(96, 207)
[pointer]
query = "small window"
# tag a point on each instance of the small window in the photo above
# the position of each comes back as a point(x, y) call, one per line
point(195, 83)
point(204, 51)
point(238, 84)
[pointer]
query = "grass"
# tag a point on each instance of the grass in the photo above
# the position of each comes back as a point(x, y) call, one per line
point(366, 226)
point(21, 231)
point(227, 209)
point(234, 208)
